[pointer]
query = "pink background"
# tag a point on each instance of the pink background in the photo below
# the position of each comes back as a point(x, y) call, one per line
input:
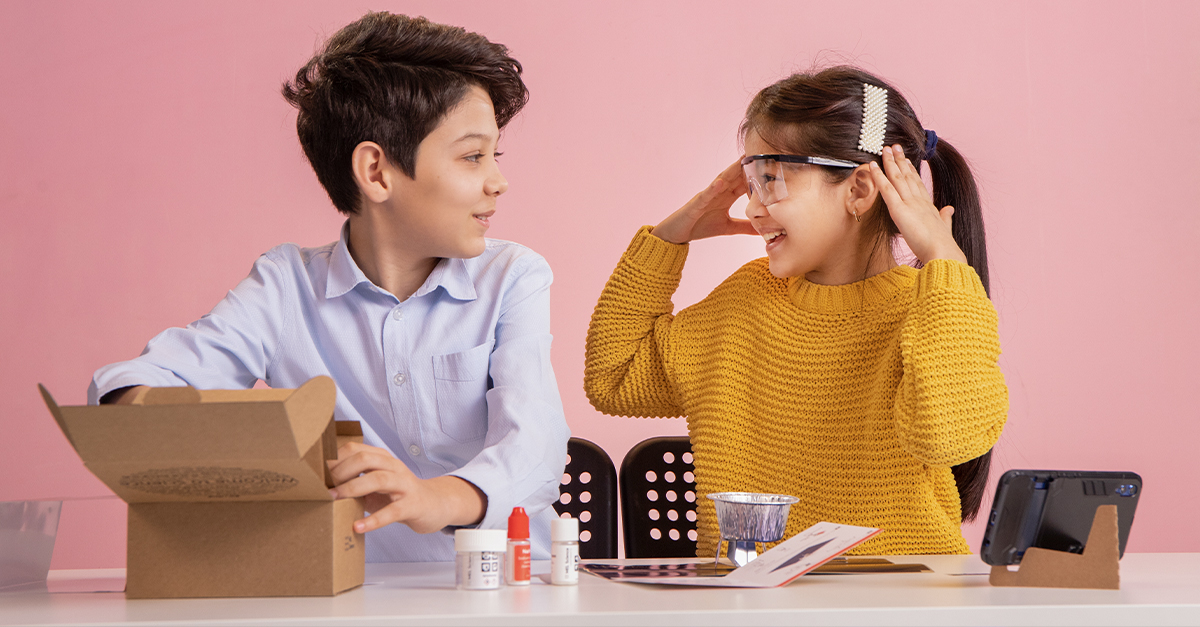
point(146, 160)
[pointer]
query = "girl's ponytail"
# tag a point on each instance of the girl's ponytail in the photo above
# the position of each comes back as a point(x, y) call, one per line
point(954, 185)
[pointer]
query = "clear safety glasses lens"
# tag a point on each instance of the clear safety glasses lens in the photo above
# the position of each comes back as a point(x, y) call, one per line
point(766, 180)
point(766, 174)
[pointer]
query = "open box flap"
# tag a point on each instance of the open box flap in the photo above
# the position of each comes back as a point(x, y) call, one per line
point(310, 409)
point(56, 412)
point(211, 445)
point(261, 480)
point(189, 432)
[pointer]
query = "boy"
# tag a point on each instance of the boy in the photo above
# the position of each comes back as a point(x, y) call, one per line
point(437, 338)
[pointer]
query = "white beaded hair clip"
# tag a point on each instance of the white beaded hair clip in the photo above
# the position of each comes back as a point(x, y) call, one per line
point(874, 121)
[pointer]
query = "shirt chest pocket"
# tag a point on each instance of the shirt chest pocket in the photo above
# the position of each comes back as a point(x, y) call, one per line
point(461, 383)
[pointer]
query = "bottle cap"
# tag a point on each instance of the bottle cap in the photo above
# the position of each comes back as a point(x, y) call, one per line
point(518, 524)
point(472, 540)
point(564, 530)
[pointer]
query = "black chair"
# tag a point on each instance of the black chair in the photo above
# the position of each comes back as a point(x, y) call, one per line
point(589, 493)
point(658, 499)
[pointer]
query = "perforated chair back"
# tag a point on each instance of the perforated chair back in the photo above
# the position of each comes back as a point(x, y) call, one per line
point(658, 499)
point(589, 493)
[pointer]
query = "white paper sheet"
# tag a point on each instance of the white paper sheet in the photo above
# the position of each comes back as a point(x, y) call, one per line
point(785, 562)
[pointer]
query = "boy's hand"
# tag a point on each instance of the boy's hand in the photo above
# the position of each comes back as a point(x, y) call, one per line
point(707, 213)
point(394, 494)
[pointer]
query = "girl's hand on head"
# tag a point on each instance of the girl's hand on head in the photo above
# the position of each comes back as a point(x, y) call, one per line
point(707, 213)
point(925, 229)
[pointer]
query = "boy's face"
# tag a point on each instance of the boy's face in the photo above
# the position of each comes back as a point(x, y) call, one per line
point(445, 207)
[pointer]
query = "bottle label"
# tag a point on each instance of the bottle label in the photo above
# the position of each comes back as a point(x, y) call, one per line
point(517, 563)
point(478, 570)
point(564, 563)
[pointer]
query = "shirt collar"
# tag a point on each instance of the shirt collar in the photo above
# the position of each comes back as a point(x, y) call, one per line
point(345, 275)
point(452, 275)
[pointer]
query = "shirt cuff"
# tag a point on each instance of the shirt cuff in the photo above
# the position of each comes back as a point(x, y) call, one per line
point(128, 374)
point(656, 255)
point(499, 500)
point(947, 274)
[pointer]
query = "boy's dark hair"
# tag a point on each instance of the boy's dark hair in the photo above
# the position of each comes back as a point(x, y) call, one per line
point(391, 79)
point(820, 114)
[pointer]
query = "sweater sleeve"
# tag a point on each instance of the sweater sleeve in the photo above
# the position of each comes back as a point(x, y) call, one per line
point(626, 369)
point(952, 402)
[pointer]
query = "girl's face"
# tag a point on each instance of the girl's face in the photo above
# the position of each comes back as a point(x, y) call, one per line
point(811, 232)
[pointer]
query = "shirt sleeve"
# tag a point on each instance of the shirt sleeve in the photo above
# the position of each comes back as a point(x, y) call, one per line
point(626, 369)
point(952, 403)
point(228, 348)
point(525, 448)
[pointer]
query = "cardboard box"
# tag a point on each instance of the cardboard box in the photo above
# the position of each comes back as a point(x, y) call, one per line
point(228, 490)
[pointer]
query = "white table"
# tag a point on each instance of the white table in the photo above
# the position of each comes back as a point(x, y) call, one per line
point(1156, 589)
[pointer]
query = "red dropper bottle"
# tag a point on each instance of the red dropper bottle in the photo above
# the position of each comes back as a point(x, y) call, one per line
point(516, 562)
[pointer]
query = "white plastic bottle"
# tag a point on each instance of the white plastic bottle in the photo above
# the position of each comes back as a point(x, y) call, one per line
point(478, 553)
point(564, 551)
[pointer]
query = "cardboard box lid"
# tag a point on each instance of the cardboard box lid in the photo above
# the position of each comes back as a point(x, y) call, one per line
point(181, 444)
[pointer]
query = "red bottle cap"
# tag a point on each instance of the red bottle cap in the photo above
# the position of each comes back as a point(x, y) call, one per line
point(518, 524)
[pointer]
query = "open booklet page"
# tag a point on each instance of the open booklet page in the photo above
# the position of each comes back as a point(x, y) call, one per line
point(786, 561)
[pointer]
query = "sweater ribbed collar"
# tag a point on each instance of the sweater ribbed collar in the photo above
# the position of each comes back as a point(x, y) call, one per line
point(857, 296)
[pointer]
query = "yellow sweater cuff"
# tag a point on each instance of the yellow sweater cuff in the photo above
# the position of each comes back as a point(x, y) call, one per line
point(655, 255)
point(951, 275)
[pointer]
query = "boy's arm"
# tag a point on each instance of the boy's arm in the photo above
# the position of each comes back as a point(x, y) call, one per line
point(952, 402)
point(525, 449)
point(228, 348)
point(124, 396)
point(524, 452)
point(393, 494)
point(625, 370)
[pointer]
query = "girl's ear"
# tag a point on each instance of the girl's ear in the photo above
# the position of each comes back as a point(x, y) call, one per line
point(862, 193)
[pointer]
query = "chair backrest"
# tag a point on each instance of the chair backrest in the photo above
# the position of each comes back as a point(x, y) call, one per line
point(658, 499)
point(589, 493)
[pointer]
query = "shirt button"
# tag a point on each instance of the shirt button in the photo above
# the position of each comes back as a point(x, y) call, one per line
point(399, 378)
point(398, 314)
point(414, 450)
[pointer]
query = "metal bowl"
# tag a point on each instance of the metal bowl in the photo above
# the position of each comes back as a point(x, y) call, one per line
point(752, 517)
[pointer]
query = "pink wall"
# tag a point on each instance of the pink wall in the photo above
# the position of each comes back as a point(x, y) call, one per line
point(146, 159)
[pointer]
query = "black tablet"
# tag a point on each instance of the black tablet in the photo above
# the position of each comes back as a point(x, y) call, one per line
point(1053, 509)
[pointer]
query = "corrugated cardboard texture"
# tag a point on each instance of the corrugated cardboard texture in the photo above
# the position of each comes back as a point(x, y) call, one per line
point(227, 489)
point(1097, 567)
point(223, 445)
point(268, 548)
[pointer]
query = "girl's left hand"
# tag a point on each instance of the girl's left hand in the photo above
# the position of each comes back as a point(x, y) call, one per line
point(925, 229)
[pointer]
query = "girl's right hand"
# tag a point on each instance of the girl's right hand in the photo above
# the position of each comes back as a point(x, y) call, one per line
point(707, 213)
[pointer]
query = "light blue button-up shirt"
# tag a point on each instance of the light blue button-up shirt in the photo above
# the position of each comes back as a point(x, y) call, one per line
point(455, 380)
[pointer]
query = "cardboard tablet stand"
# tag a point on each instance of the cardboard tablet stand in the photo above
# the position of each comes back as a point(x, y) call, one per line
point(1096, 567)
point(228, 490)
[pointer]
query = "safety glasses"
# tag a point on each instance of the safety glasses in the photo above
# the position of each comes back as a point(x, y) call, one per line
point(766, 173)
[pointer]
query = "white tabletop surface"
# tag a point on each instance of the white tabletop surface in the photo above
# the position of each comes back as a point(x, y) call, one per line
point(1156, 589)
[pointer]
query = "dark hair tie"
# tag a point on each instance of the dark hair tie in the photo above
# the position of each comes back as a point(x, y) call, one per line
point(930, 144)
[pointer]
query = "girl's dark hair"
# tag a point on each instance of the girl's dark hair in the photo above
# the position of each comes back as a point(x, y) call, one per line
point(820, 114)
point(391, 79)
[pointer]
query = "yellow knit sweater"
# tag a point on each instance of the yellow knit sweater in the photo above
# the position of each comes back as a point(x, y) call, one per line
point(855, 398)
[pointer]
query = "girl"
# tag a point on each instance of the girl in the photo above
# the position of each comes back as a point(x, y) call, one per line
point(868, 389)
